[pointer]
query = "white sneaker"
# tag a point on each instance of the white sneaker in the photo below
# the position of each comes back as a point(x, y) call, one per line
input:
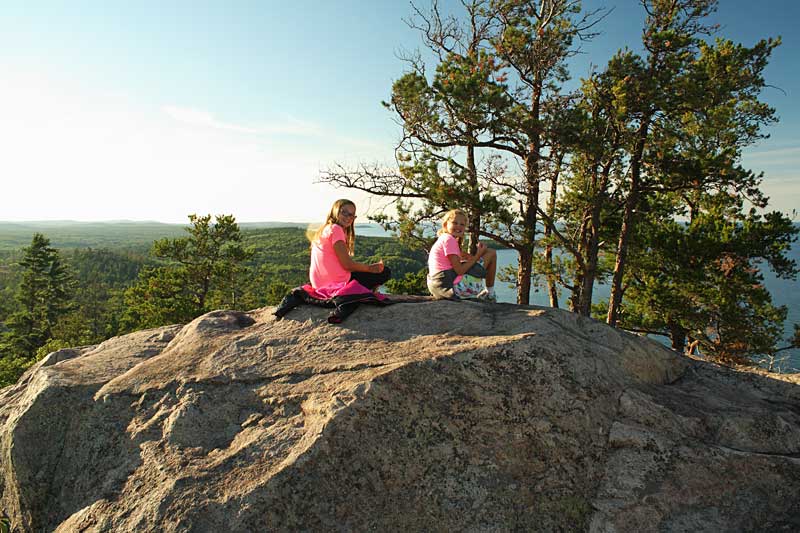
point(486, 297)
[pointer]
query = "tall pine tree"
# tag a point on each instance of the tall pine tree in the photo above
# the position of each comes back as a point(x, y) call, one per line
point(44, 295)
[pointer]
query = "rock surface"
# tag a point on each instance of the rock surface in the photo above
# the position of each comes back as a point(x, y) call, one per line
point(436, 416)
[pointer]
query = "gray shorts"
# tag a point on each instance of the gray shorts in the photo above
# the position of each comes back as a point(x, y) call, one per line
point(440, 284)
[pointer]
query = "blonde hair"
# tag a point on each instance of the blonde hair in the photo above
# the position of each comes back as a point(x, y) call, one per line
point(449, 217)
point(333, 218)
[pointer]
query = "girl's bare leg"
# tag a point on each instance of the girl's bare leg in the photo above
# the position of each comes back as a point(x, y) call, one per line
point(490, 264)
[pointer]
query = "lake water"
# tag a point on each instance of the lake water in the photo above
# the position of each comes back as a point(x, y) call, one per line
point(784, 292)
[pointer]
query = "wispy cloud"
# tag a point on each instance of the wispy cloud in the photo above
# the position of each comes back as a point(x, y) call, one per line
point(290, 126)
point(293, 126)
point(775, 152)
point(196, 117)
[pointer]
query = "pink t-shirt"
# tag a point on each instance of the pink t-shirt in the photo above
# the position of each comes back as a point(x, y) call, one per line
point(445, 245)
point(326, 270)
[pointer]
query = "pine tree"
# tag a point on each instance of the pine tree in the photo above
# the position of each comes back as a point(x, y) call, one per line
point(700, 282)
point(44, 295)
point(201, 273)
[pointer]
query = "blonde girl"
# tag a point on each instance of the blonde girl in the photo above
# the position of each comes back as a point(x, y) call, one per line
point(447, 263)
point(332, 264)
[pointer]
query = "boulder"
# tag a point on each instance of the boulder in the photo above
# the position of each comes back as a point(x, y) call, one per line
point(430, 416)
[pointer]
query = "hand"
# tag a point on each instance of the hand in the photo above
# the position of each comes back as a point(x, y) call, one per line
point(376, 268)
point(481, 249)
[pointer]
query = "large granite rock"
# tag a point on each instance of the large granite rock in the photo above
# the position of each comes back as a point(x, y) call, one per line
point(437, 416)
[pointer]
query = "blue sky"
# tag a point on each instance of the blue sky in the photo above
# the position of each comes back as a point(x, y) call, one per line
point(153, 110)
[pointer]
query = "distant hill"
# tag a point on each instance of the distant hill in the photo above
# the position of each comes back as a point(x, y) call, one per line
point(72, 234)
point(113, 233)
point(262, 225)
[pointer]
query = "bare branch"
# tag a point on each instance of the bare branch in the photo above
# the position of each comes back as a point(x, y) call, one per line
point(373, 180)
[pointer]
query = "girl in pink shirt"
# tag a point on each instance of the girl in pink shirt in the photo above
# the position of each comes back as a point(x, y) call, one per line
point(332, 264)
point(447, 264)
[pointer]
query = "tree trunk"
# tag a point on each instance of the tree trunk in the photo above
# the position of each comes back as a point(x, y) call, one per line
point(592, 257)
point(579, 272)
point(622, 254)
point(631, 203)
point(599, 187)
point(474, 234)
point(575, 297)
point(524, 273)
point(531, 204)
point(552, 290)
point(587, 286)
point(548, 251)
point(525, 270)
point(475, 215)
point(201, 297)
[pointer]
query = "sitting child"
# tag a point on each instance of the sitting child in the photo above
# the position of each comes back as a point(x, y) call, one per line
point(451, 272)
point(337, 280)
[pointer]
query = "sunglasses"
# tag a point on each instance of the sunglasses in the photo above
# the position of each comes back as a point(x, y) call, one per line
point(347, 214)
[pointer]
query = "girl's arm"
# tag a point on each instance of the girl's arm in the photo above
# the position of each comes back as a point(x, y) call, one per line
point(350, 265)
point(466, 256)
point(462, 268)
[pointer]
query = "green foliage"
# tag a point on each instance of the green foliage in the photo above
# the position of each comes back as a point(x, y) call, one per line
point(684, 112)
point(701, 282)
point(12, 367)
point(411, 283)
point(459, 108)
point(202, 272)
point(43, 296)
point(53, 345)
point(276, 291)
point(114, 268)
point(103, 276)
point(82, 293)
point(158, 298)
point(208, 258)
